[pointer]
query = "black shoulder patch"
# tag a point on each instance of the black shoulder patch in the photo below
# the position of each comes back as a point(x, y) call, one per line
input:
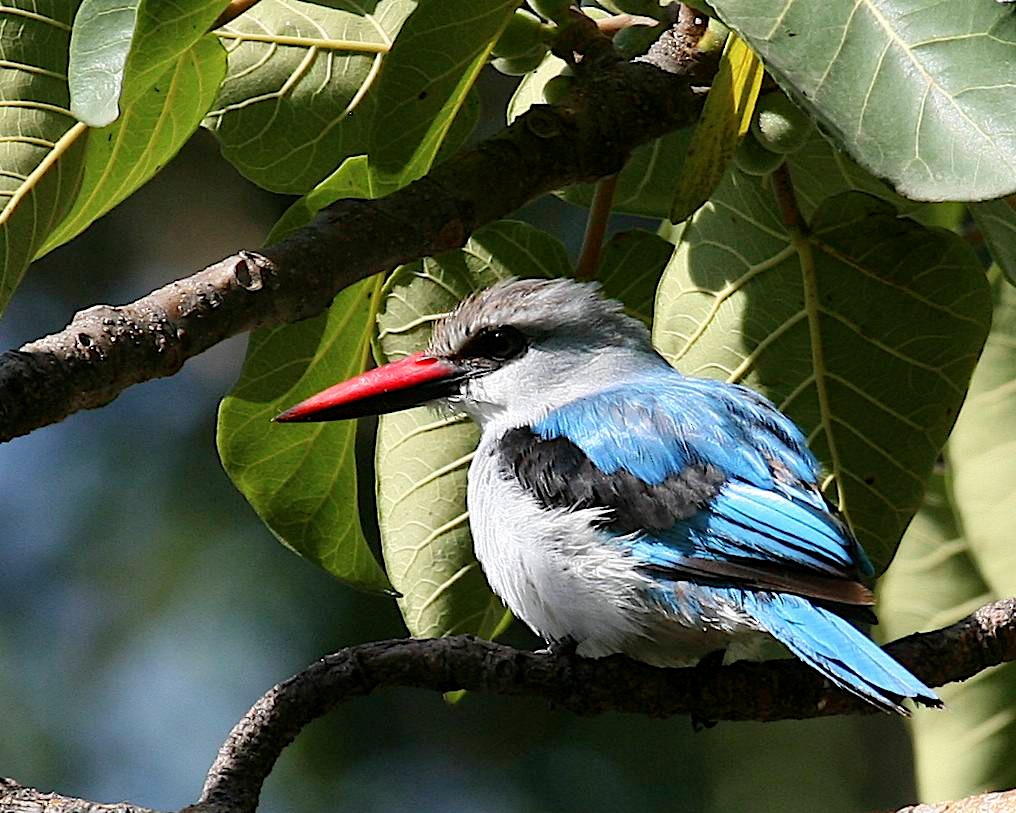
point(560, 475)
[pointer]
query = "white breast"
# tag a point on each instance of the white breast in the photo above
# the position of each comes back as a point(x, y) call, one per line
point(551, 567)
point(566, 579)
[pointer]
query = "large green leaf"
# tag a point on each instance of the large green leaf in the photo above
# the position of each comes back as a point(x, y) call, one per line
point(982, 451)
point(123, 156)
point(913, 89)
point(633, 262)
point(423, 457)
point(864, 329)
point(120, 48)
point(40, 143)
point(294, 103)
point(301, 478)
point(425, 80)
point(647, 182)
point(820, 170)
point(937, 579)
point(997, 221)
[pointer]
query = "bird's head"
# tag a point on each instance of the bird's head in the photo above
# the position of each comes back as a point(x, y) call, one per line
point(512, 351)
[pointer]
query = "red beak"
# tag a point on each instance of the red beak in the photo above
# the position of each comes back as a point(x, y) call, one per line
point(409, 382)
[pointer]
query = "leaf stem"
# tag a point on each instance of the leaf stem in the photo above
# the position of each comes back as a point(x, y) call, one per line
point(352, 46)
point(596, 228)
point(232, 11)
point(786, 200)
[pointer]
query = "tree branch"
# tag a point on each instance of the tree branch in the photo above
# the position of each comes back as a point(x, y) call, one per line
point(588, 135)
point(775, 690)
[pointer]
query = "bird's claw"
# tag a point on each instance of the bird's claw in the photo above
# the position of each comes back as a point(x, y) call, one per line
point(707, 667)
point(563, 647)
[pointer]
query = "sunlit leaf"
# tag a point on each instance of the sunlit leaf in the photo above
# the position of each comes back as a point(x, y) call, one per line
point(937, 579)
point(424, 81)
point(301, 478)
point(724, 121)
point(982, 447)
point(120, 48)
point(423, 457)
point(40, 143)
point(911, 89)
point(295, 100)
point(123, 156)
point(865, 330)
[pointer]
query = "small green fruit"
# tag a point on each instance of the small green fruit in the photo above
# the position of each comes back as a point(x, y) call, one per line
point(754, 159)
point(518, 66)
point(557, 88)
point(635, 39)
point(779, 125)
point(524, 34)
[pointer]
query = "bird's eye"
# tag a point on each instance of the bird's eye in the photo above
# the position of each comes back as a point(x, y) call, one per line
point(497, 344)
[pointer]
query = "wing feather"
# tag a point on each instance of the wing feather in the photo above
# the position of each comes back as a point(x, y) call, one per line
point(701, 479)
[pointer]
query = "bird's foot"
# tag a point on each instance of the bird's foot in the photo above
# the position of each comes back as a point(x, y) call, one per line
point(707, 667)
point(564, 647)
point(565, 651)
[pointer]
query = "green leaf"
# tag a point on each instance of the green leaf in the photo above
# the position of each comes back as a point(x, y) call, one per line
point(911, 89)
point(120, 48)
point(351, 180)
point(647, 182)
point(40, 143)
point(820, 171)
point(294, 103)
point(120, 158)
point(935, 580)
point(423, 457)
point(424, 82)
point(956, 556)
point(633, 262)
point(997, 221)
point(865, 332)
point(724, 121)
point(301, 478)
point(981, 450)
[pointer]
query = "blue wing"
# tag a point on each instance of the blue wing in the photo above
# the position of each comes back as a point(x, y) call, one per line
point(709, 482)
point(767, 508)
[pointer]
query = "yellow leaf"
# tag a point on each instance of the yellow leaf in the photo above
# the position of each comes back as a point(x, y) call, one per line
point(725, 119)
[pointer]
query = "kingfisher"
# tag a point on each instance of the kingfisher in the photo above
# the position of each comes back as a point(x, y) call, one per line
point(619, 506)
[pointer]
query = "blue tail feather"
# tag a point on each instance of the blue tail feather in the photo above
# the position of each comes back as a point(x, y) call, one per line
point(838, 650)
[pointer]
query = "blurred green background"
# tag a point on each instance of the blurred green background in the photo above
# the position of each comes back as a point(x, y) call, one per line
point(143, 606)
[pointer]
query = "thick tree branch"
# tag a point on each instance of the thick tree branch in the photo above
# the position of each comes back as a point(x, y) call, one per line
point(776, 690)
point(588, 135)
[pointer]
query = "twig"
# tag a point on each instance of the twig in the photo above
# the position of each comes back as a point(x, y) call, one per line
point(596, 229)
point(1004, 802)
point(618, 22)
point(587, 136)
point(15, 798)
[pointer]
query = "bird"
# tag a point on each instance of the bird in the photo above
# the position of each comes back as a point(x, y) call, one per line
point(619, 506)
